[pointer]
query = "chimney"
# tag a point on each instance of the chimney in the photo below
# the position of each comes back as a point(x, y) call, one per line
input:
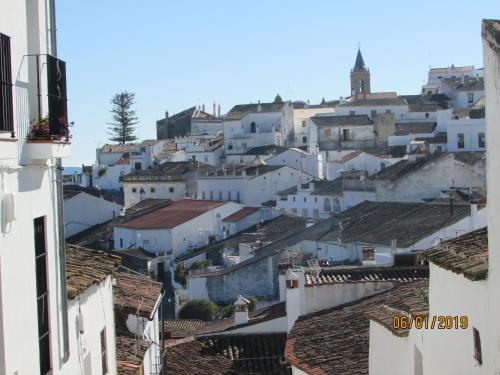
point(218, 110)
point(214, 110)
point(259, 107)
point(241, 310)
point(294, 282)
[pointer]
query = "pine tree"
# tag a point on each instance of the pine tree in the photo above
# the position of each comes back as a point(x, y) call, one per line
point(124, 119)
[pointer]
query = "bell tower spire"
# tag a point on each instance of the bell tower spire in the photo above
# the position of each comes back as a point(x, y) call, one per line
point(360, 77)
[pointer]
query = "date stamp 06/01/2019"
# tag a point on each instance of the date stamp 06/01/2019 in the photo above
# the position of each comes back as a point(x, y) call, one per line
point(430, 322)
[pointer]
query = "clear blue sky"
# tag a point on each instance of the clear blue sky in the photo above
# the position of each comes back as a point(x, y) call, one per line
point(175, 54)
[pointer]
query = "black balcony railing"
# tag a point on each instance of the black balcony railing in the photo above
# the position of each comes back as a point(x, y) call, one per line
point(57, 98)
point(54, 125)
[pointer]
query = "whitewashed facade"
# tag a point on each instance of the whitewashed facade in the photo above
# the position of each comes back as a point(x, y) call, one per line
point(251, 190)
point(83, 210)
point(36, 321)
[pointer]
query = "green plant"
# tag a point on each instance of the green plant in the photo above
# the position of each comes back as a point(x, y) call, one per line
point(199, 309)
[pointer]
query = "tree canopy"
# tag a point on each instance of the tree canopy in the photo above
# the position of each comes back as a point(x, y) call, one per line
point(199, 309)
point(124, 118)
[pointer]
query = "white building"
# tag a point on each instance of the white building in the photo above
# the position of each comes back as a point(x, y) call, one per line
point(310, 163)
point(337, 132)
point(253, 186)
point(354, 160)
point(184, 225)
point(373, 104)
point(463, 93)
point(253, 125)
point(90, 308)
point(424, 176)
point(319, 199)
point(465, 128)
point(205, 149)
point(114, 161)
point(34, 324)
point(169, 180)
point(84, 208)
point(302, 112)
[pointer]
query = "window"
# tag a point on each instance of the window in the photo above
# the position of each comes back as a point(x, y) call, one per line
point(352, 113)
point(316, 213)
point(426, 114)
point(134, 190)
point(121, 243)
point(470, 97)
point(238, 196)
point(253, 127)
point(229, 195)
point(104, 352)
point(211, 195)
point(305, 212)
point(171, 189)
point(205, 159)
point(138, 166)
point(315, 199)
point(304, 139)
point(6, 110)
point(193, 157)
point(305, 199)
point(345, 134)
point(203, 195)
point(460, 140)
point(229, 147)
point(145, 244)
point(220, 195)
point(303, 123)
point(327, 205)
point(293, 199)
point(373, 113)
point(152, 190)
point(478, 356)
point(42, 295)
point(387, 111)
point(481, 140)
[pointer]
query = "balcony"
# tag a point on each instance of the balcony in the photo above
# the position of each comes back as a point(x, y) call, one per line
point(45, 150)
point(49, 136)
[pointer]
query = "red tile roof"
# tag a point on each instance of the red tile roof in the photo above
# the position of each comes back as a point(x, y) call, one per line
point(136, 294)
point(173, 215)
point(238, 215)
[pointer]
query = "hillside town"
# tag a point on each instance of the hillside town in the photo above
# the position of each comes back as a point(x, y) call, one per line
point(357, 235)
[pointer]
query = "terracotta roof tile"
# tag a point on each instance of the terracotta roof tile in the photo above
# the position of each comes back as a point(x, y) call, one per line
point(466, 255)
point(135, 294)
point(336, 341)
point(85, 267)
point(366, 274)
point(173, 215)
point(182, 327)
point(130, 353)
point(238, 215)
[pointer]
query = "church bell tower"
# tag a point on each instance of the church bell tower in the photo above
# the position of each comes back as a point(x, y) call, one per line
point(360, 78)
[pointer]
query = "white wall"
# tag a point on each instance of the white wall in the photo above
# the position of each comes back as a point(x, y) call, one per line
point(363, 162)
point(470, 129)
point(429, 181)
point(110, 180)
point(161, 191)
point(400, 111)
point(95, 306)
point(298, 159)
point(389, 354)
point(84, 210)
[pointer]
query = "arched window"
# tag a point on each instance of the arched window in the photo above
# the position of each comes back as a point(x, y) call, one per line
point(361, 85)
point(142, 194)
point(253, 127)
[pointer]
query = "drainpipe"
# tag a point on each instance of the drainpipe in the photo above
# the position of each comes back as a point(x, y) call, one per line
point(60, 207)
